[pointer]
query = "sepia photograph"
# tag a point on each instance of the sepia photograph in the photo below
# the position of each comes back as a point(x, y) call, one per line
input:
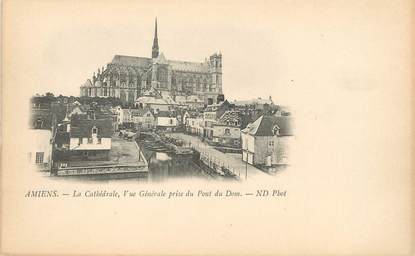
point(153, 118)
point(191, 127)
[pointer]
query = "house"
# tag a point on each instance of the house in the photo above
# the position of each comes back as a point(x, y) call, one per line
point(40, 149)
point(41, 126)
point(193, 123)
point(90, 139)
point(77, 109)
point(143, 118)
point(227, 130)
point(166, 120)
point(152, 99)
point(266, 141)
point(122, 115)
point(210, 115)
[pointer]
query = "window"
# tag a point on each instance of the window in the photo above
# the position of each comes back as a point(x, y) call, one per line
point(39, 157)
point(89, 140)
point(94, 130)
point(276, 130)
point(99, 140)
point(79, 141)
point(271, 143)
point(39, 124)
point(171, 121)
point(227, 131)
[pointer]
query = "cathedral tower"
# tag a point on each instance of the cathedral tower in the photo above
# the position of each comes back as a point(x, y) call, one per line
point(155, 49)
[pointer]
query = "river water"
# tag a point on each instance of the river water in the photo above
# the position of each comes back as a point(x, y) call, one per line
point(163, 166)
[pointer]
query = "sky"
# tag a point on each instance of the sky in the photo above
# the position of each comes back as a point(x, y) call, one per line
point(289, 50)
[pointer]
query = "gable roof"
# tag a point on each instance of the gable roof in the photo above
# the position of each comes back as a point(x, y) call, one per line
point(165, 114)
point(188, 66)
point(82, 127)
point(264, 126)
point(131, 60)
point(140, 112)
point(230, 117)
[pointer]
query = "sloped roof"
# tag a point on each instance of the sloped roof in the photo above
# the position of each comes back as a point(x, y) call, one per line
point(188, 66)
point(230, 117)
point(131, 60)
point(264, 126)
point(82, 127)
point(140, 112)
point(161, 59)
point(166, 114)
point(151, 92)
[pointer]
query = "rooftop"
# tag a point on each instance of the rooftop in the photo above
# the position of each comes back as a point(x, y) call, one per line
point(81, 127)
point(265, 126)
point(122, 152)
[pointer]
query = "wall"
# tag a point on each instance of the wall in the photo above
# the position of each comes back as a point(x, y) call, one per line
point(40, 143)
point(158, 107)
point(219, 131)
point(231, 140)
point(105, 144)
point(165, 121)
point(263, 149)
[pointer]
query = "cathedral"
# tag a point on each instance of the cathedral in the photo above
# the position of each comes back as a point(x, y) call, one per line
point(128, 77)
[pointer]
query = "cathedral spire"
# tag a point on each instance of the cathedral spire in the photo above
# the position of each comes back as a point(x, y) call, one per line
point(155, 49)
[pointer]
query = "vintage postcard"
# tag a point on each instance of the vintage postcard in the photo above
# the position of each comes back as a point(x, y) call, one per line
point(207, 127)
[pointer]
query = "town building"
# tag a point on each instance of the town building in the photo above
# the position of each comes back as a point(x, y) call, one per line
point(126, 77)
point(89, 138)
point(227, 130)
point(210, 116)
point(194, 123)
point(166, 120)
point(41, 126)
point(191, 102)
point(143, 119)
point(266, 141)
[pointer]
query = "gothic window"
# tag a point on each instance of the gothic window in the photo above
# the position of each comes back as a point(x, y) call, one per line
point(197, 85)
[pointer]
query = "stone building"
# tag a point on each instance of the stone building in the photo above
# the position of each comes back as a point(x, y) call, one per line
point(267, 141)
point(126, 77)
